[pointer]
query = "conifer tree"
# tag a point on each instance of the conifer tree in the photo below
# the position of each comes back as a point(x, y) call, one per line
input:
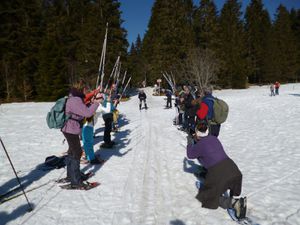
point(205, 24)
point(282, 51)
point(295, 17)
point(169, 36)
point(257, 26)
point(232, 49)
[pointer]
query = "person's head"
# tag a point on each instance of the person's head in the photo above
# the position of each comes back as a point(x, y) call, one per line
point(207, 90)
point(201, 129)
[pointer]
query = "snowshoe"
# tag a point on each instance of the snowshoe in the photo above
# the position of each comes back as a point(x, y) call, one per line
point(84, 177)
point(83, 186)
point(240, 207)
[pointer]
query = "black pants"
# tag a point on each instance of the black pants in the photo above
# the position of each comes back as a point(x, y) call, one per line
point(169, 103)
point(214, 129)
point(145, 104)
point(107, 129)
point(73, 158)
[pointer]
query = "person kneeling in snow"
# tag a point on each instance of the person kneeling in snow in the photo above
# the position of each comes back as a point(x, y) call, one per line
point(222, 173)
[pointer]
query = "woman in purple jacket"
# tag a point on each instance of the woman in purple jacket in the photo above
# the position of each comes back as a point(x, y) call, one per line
point(76, 108)
point(222, 173)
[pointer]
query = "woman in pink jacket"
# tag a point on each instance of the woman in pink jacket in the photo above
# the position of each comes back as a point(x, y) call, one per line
point(76, 108)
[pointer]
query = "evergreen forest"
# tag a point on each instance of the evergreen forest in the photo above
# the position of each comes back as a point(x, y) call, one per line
point(47, 45)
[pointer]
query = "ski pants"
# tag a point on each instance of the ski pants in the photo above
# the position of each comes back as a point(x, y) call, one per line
point(214, 129)
point(73, 158)
point(107, 129)
point(169, 103)
point(88, 142)
point(145, 104)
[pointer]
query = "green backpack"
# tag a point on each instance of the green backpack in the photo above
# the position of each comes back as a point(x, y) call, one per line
point(221, 110)
point(57, 117)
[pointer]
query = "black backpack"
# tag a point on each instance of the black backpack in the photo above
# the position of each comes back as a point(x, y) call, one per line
point(54, 162)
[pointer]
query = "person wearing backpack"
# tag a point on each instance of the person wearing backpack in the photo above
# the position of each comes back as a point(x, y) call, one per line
point(222, 173)
point(206, 112)
point(77, 110)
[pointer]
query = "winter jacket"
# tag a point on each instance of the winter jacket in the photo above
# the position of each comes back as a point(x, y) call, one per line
point(101, 110)
point(76, 108)
point(208, 150)
point(206, 108)
point(189, 108)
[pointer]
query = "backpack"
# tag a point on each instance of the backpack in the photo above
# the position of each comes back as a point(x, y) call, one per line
point(57, 117)
point(54, 162)
point(221, 110)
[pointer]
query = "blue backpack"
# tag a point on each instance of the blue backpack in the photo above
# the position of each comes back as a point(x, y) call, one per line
point(57, 117)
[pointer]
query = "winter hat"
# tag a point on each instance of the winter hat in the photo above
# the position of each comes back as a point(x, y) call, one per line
point(202, 129)
point(207, 90)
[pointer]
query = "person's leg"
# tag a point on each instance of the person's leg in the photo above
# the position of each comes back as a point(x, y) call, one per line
point(140, 104)
point(145, 103)
point(73, 158)
point(107, 130)
point(214, 129)
point(88, 142)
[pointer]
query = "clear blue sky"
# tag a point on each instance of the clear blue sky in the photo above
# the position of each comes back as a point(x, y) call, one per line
point(136, 13)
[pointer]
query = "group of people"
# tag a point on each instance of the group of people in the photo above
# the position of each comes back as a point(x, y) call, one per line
point(274, 88)
point(223, 179)
point(84, 108)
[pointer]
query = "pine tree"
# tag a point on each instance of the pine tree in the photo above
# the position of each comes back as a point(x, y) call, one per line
point(205, 24)
point(282, 51)
point(232, 49)
point(295, 18)
point(257, 26)
point(169, 36)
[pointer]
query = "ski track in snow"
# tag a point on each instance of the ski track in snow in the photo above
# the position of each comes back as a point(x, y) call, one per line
point(147, 178)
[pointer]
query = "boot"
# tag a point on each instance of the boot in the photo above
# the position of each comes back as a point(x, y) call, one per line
point(240, 207)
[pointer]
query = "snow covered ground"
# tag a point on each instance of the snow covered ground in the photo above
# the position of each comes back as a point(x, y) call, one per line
point(147, 178)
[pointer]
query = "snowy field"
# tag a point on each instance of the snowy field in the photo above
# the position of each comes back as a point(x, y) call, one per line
point(147, 178)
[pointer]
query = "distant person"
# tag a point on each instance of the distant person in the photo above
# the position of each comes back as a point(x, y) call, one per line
point(277, 85)
point(222, 173)
point(169, 99)
point(206, 112)
point(272, 88)
point(142, 97)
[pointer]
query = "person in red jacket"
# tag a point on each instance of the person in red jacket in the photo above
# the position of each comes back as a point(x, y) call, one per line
point(206, 111)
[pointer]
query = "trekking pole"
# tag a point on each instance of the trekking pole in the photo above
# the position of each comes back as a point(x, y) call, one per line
point(30, 207)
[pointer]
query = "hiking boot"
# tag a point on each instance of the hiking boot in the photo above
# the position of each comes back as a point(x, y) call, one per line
point(240, 207)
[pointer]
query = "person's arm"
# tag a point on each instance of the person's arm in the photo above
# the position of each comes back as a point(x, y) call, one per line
point(202, 111)
point(193, 151)
point(79, 108)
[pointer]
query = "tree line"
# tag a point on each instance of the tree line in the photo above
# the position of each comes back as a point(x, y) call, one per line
point(46, 45)
point(246, 48)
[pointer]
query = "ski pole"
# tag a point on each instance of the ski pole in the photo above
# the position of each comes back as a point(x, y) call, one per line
point(30, 208)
